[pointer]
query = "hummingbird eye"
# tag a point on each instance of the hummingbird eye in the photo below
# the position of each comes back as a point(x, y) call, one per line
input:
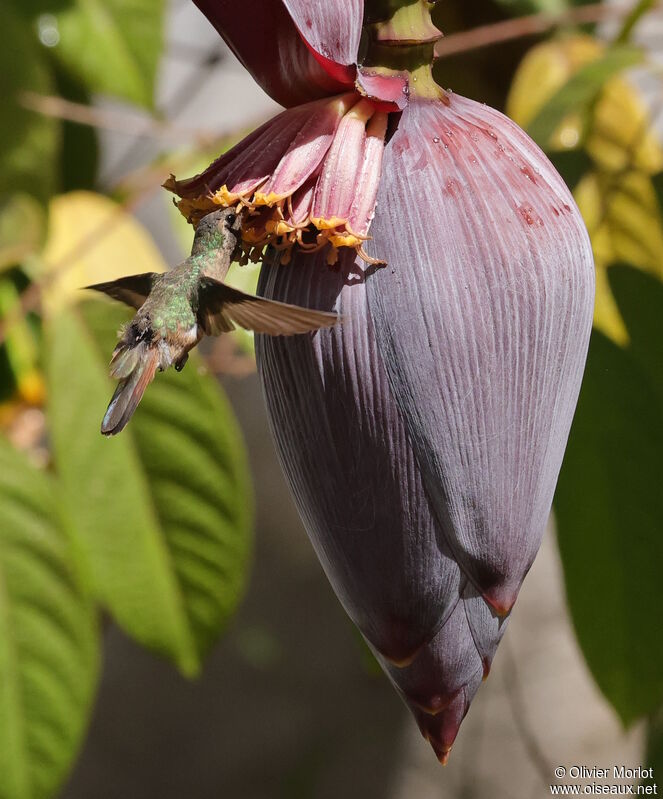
point(230, 219)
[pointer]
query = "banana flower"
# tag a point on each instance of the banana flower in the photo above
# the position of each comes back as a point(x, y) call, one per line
point(422, 437)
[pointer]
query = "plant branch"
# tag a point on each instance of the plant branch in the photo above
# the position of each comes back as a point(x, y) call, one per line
point(106, 119)
point(500, 32)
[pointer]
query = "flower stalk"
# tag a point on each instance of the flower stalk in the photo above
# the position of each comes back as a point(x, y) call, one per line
point(402, 44)
point(407, 25)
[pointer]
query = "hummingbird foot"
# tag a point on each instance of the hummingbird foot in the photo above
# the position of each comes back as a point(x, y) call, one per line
point(181, 363)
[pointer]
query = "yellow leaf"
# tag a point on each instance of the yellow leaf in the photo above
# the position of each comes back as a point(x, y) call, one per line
point(21, 349)
point(544, 70)
point(22, 224)
point(92, 239)
point(617, 198)
point(620, 134)
point(623, 218)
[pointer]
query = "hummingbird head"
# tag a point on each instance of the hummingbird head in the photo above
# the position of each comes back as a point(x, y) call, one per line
point(219, 230)
point(222, 221)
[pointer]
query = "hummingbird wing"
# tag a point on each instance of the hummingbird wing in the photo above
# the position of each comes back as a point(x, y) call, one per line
point(222, 307)
point(132, 290)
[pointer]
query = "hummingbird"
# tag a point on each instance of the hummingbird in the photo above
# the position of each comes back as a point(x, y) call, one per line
point(177, 308)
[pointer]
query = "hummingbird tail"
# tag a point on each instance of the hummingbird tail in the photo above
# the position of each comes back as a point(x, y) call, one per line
point(139, 364)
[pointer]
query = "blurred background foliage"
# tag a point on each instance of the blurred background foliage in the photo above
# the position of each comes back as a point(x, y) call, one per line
point(152, 530)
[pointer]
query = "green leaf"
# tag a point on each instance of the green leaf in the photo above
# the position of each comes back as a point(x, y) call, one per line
point(581, 90)
point(572, 165)
point(162, 511)
point(22, 229)
point(609, 507)
point(113, 46)
point(20, 344)
point(654, 750)
point(80, 148)
point(640, 300)
point(48, 637)
point(31, 8)
point(28, 141)
point(657, 182)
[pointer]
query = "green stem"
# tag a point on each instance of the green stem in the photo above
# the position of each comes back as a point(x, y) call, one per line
point(632, 20)
point(407, 25)
point(402, 41)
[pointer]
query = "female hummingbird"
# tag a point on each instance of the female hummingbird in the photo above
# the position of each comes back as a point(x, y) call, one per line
point(177, 308)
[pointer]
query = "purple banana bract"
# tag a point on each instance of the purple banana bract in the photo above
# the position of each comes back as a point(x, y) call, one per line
point(423, 436)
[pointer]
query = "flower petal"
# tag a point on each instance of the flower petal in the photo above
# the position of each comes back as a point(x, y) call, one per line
point(350, 465)
point(482, 320)
point(332, 30)
point(300, 204)
point(441, 669)
point(441, 729)
point(264, 38)
point(251, 160)
point(486, 626)
point(440, 683)
point(363, 205)
point(304, 166)
point(389, 92)
point(307, 150)
point(337, 186)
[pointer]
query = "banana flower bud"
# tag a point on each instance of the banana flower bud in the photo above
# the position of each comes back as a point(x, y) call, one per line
point(423, 437)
